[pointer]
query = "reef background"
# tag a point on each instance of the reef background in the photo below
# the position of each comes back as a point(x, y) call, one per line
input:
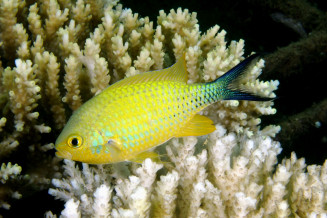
point(296, 60)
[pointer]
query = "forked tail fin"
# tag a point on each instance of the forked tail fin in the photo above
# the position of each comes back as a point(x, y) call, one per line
point(229, 83)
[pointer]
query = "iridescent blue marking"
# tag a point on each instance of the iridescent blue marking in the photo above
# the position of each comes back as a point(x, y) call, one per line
point(124, 131)
point(130, 137)
point(131, 144)
point(108, 134)
point(137, 143)
point(100, 140)
point(140, 126)
point(99, 148)
point(136, 137)
point(125, 145)
point(146, 133)
point(94, 143)
point(141, 135)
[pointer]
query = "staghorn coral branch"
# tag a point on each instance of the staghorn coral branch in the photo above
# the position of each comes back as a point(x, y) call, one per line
point(92, 42)
point(232, 176)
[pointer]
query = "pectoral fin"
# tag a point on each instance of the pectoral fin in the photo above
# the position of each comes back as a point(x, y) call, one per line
point(197, 126)
point(139, 158)
point(113, 147)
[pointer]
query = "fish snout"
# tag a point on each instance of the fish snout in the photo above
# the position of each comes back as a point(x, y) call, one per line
point(64, 154)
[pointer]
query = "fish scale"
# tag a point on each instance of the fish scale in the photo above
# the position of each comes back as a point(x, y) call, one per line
point(138, 113)
point(150, 115)
point(173, 108)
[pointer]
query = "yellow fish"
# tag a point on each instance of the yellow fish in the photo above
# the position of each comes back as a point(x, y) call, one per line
point(140, 112)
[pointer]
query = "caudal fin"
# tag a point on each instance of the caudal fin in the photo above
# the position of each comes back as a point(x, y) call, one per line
point(229, 82)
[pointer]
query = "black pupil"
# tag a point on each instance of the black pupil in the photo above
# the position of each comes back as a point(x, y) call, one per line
point(75, 142)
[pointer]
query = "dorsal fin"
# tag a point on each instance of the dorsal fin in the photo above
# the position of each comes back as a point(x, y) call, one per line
point(176, 72)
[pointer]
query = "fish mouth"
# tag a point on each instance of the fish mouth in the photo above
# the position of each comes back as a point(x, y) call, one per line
point(64, 154)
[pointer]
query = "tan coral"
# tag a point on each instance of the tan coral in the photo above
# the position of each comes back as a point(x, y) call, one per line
point(8, 19)
point(72, 53)
point(7, 145)
point(56, 18)
point(81, 14)
point(121, 44)
point(96, 65)
point(165, 195)
point(9, 172)
point(53, 93)
point(73, 69)
point(231, 177)
point(23, 92)
point(34, 20)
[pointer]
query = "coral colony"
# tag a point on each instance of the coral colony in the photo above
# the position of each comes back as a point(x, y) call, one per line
point(58, 54)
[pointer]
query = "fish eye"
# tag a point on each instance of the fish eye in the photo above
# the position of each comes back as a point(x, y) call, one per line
point(75, 141)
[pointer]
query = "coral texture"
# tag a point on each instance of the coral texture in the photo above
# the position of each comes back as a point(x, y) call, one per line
point(230, 176)
point(56, 54)
point(119, 44)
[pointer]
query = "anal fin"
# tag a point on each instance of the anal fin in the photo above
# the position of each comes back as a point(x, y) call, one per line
point(197, 126)
point(139, 158)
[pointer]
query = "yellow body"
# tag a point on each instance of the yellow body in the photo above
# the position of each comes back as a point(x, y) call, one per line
point(139, 113)
point(132, 116)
